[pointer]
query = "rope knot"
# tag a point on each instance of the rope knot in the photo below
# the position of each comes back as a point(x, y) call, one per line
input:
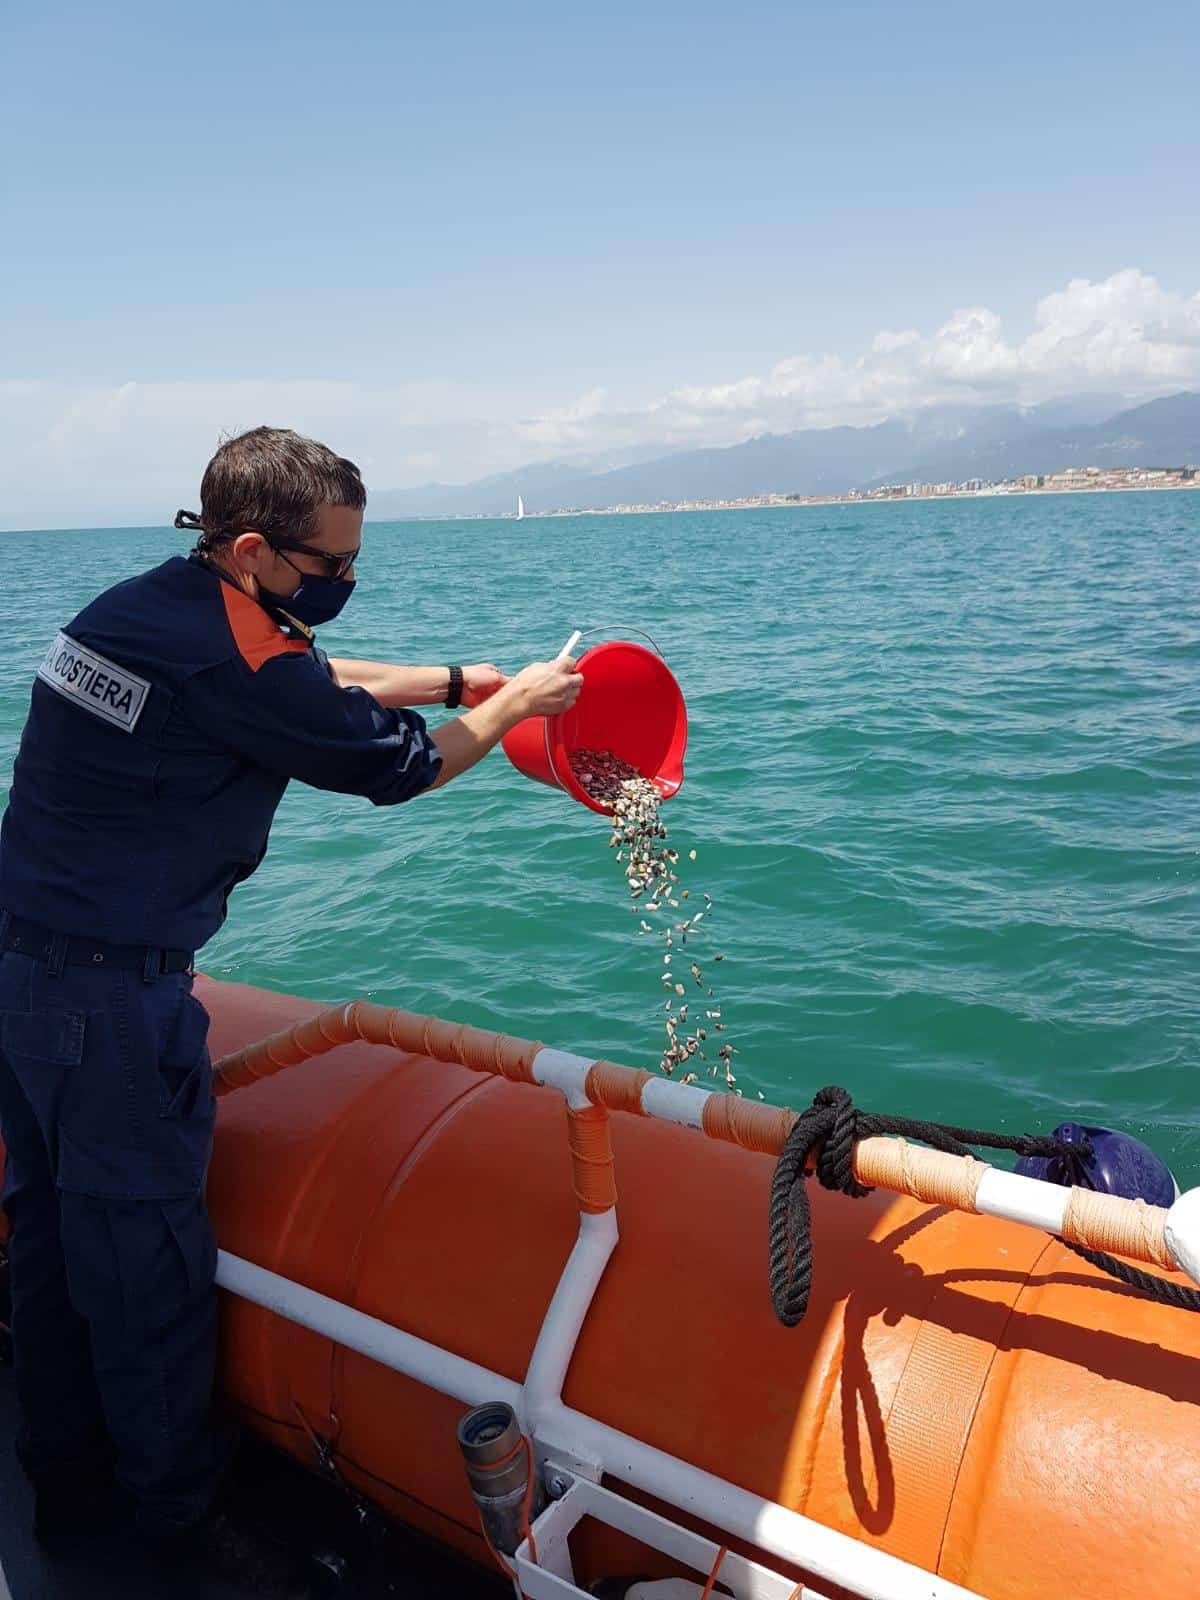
point(830, 1128)
point(828, 1132)
point(838, 1136)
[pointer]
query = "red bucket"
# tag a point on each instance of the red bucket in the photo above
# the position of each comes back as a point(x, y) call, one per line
point(630, 704)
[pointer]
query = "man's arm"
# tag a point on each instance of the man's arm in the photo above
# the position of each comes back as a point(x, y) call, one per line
point(541, 689)
point(290, 717)
point(416, 686)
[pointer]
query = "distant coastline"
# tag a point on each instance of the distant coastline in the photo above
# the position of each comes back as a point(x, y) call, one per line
point(1133, 480)
point(1083, 480)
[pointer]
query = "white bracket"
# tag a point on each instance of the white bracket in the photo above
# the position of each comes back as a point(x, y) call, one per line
point(552, 1577)
point(560, 1460)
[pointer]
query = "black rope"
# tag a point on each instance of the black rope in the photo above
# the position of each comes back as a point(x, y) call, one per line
point(832, 1126)
point(1171, 1294)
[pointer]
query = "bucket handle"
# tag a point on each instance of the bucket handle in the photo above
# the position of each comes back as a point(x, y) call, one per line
point(604, 627)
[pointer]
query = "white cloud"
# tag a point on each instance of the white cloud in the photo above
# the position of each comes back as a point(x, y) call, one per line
point(77, 454)
point(1126, 334)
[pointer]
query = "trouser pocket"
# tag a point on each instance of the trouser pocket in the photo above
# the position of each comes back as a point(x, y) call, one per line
point(42, 1051)
point(138, 1121)
point(187, 1109)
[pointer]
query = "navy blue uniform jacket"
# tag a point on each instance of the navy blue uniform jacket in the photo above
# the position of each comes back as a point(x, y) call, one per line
point(165, 723)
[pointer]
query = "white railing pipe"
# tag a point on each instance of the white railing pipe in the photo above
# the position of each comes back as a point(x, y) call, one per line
point(1031, 1201)
point(1182, 1232)
point(565, 1317)
point(559, 1069)
point(391, 1347)
point(784, 1533)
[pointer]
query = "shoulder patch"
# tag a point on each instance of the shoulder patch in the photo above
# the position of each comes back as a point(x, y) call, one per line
point(110, 692)
point(258, 639)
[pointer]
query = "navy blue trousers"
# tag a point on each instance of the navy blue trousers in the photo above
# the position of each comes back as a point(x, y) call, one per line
point(107, 1111)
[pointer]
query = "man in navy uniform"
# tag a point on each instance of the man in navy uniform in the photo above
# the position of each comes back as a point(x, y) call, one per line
point(165, 723)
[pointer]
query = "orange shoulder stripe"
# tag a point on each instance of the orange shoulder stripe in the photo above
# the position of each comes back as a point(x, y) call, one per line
point(258, 639)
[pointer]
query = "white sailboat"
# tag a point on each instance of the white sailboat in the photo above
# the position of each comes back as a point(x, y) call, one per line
point(520, 508)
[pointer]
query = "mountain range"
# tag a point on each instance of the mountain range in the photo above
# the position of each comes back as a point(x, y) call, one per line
point(941, 445)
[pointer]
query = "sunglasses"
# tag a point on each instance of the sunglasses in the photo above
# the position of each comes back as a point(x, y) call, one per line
point(338, 566)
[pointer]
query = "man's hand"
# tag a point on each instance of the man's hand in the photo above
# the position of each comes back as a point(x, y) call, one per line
point(540, 690)
point(548, 687)
point(481, 681)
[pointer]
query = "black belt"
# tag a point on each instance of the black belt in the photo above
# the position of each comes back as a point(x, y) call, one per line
point(43, 944)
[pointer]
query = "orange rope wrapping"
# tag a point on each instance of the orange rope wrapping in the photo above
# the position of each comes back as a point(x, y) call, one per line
point(933, 1176)
point(750, 1124)
point(476, 1048)
point(619, 1088)
point(592, 1173)
point(1109, 1223)
point(1118, 1227)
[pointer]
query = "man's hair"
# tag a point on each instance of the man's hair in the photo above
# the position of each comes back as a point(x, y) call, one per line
point(274, 481)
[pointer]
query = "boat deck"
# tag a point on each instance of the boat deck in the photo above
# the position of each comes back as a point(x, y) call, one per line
point(288, 1505)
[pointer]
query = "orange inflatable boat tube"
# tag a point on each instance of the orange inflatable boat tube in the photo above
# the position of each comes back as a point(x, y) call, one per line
point(963, 1392)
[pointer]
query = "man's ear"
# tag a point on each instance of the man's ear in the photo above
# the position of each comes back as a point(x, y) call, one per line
point(250, 550)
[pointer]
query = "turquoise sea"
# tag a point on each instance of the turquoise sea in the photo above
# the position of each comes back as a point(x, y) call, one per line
point(942, 783)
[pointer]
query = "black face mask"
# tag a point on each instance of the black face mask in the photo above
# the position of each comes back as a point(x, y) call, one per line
point(317, 600)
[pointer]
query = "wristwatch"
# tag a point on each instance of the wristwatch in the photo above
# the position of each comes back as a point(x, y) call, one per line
point(455, 693)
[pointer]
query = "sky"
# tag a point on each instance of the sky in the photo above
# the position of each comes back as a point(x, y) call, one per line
point(451, 240)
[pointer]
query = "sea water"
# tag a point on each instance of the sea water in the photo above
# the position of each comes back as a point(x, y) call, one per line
point(942, 781)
